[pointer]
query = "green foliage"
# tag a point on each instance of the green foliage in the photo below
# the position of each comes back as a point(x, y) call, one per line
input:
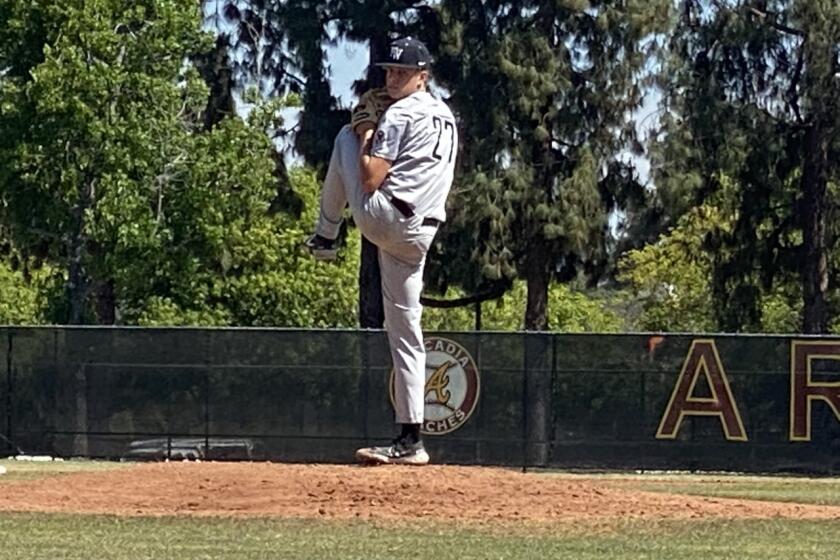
point(750, 92)
point(98, 135)
point(575, 312)
point(781, 309)
point(109, 175)
point(672, 280)
point(262, 275)
point(24, 296)
point(280, 45)
point(543, 91)
point(116, 195)
point(569, 311)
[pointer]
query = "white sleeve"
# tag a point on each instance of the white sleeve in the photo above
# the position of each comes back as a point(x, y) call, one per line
point(389, 135)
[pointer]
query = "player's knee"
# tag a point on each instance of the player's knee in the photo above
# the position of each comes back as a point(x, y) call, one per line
point(346, 131)
point(346, 139)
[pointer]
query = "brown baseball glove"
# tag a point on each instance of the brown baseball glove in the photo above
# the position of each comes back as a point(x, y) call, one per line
point(371, 105)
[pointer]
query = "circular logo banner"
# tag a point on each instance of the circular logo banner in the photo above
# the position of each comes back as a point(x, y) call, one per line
point(452, 386)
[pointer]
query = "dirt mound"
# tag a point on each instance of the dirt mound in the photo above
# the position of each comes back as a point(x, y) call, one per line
point(340, 491)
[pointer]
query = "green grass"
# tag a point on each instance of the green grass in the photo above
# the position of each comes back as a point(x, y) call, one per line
point(25, 536)
point(819, 491)
point(30, 536)
point(29, 470)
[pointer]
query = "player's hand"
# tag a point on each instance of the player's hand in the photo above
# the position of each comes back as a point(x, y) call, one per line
point(365, 131)
point(365, 140)
point(371, 105)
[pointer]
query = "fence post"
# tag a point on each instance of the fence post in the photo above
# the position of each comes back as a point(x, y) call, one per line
point(552, 405)
point(9, 391)
point(207, 453)
point(537, 395)
point(80, 441)
point(365, 384)
point(525, 408)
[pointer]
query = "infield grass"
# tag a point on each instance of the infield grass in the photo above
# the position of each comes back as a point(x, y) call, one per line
point(795, 492)
point(801, 490)
point(29, 470)
point(38, 536)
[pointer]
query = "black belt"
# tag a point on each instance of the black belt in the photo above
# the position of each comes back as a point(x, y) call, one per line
point(406, 210)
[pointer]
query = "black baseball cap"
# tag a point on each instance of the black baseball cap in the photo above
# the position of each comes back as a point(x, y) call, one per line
point(407, 53)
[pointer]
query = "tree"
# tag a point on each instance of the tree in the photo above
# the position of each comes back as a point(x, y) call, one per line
point(671, 281)
point(543, 91)
point(25, 291)
point(112, 175)
point(570, 311)
point(94, 131)
point(246, 268)
point(751, 93)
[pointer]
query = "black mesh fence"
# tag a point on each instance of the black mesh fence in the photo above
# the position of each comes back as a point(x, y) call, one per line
point(521, 399)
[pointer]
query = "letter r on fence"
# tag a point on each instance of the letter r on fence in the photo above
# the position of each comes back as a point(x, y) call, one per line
point(804, 390)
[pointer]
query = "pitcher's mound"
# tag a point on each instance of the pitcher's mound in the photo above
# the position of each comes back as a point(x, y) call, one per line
point(441, 493)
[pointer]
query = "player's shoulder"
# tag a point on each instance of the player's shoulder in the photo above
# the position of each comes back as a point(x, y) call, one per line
point(418, 105)
point(444, 108)
point(420, 102)
point(407, 105)
point(437, 106)
point(400, 110)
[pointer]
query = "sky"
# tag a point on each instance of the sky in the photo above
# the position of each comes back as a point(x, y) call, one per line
point(347, 63)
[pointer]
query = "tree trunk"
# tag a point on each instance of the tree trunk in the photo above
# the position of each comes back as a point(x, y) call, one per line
point(371, 310)
point(538, 277)
point(378, 50)
point(76, 286)
point(537, 272)
point(814, 250)
point(216, 71)
point(106, 303)
point(77, 281)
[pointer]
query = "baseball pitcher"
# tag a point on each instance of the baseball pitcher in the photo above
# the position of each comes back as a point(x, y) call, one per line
point(394, 167)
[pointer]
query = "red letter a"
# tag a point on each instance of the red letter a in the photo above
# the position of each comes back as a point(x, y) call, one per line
point(702, 358)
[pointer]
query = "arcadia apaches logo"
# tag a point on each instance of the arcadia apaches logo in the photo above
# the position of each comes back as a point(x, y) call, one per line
point(452, 386)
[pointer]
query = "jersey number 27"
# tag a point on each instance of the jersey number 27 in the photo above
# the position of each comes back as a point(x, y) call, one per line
point(442, 126)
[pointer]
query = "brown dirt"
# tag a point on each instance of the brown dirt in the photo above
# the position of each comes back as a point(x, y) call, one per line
point(439, 493)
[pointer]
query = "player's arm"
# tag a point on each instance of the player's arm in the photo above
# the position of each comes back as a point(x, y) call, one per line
point(373, 169)
point(381, 147)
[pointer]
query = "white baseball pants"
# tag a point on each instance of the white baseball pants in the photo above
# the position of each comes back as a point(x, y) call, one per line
point(403, 244)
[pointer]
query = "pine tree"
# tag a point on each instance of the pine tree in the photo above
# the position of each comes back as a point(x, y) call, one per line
point(751, 95)
point(544, 92)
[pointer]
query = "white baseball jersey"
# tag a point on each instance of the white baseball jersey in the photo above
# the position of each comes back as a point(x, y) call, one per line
point(417, 135)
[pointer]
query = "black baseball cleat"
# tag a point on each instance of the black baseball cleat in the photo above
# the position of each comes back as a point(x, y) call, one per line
point(321, 248)
point(400, 452)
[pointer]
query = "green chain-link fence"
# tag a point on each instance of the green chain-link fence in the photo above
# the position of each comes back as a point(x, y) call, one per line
point(522, 399)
